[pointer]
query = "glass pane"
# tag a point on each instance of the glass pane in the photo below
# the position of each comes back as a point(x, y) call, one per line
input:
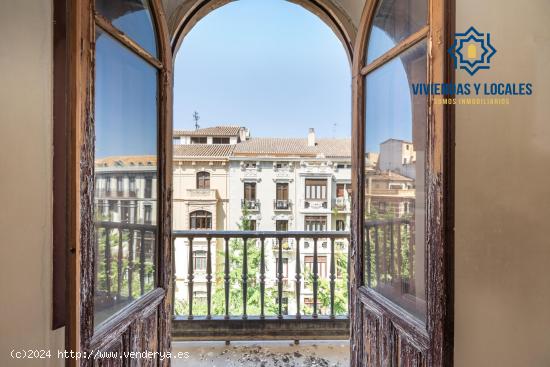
point(394, 21)
point(394, 189)
point(125, 175)
point(134, 18)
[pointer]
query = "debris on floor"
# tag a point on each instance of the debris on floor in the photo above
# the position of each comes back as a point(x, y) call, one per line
point(264, 354)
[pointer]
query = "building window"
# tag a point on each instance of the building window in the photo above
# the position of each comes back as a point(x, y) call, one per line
point(342, 189)
point(251, 225)
point(199, 260)
point(284, 306)
point(249, 164)
point(126, 212)
point(220, 140)
point(147, 214)
point(250, 191)
point(108, 185)
point(200, 219)
point(132, 187)
point(113, 209)
point(321, 265)
point(281, 196)
point(198, 140)
point(315, 223)
point(203, 180)
point(249, 201)
point(282, 191)
point(148, 187)
point(285, 267)
point(281, 225)
point(119, 186)
point(316, 189)
point(340, 225)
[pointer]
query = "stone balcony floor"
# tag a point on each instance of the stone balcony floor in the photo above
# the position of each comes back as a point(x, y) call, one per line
point(329, 353)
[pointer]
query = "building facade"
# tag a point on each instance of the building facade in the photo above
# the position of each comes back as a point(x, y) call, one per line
point(274, 184)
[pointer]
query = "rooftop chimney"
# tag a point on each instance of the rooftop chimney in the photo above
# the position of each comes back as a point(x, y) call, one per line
point(311, 138)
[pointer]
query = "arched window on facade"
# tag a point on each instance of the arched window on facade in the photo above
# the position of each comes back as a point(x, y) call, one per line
point(200, 219)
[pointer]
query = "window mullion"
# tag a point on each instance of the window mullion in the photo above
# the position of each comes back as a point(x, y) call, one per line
point(121, 37)
point(401, 47)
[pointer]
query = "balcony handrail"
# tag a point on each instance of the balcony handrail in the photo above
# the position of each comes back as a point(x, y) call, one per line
point(259, 234)
point(127, 226)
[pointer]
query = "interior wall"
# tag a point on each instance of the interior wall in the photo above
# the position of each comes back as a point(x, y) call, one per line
point(26, 182)
point(502, 279)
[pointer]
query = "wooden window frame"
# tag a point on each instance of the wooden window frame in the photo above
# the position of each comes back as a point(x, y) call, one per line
point(282, 189)
point(199, 140)
point(381, 331)
point(202, 178)
point(321, 219)
point(202, 215)
point(199, 259)
point(252, 190)
point(315, 185)
point(74, 228)
point(221, 140)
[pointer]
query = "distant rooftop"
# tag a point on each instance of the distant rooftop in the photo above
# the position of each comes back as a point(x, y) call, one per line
point(387, 176)
point(226, 130)
point(203, 150)
point(131, 160)
point(330, 148)
point(398, 140)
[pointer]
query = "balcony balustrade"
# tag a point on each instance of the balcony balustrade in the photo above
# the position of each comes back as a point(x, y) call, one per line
point(313, 284)
point(125, 254)
point(282, 204)
point(341, 203)
point(250, 204)
point(315, 204)
point(201, 194)
point(320, 323)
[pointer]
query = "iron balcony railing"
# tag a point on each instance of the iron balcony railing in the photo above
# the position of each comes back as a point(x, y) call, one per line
point(124, 255)
point(250, 204)
point(319, 323)
point(309, 272)
point(281, 204)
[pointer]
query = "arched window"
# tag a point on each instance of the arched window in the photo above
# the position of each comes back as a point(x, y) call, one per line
point(119, 88)
point(400, 260)
point(203, 180)
point(200, 219)
point(386, 130)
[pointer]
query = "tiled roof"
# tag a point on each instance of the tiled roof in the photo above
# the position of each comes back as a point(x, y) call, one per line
point(211, 131)
point(130, 160)
point(387, 176)
point(398, 140)
point(294, 147)
point(203, 150)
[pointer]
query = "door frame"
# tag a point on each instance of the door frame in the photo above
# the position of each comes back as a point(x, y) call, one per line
point(435, 337)
point(79, 92)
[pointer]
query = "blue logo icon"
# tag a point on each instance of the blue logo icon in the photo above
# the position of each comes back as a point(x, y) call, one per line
point(472, 51)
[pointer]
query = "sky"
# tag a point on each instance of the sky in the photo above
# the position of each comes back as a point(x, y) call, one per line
point(269, 65)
